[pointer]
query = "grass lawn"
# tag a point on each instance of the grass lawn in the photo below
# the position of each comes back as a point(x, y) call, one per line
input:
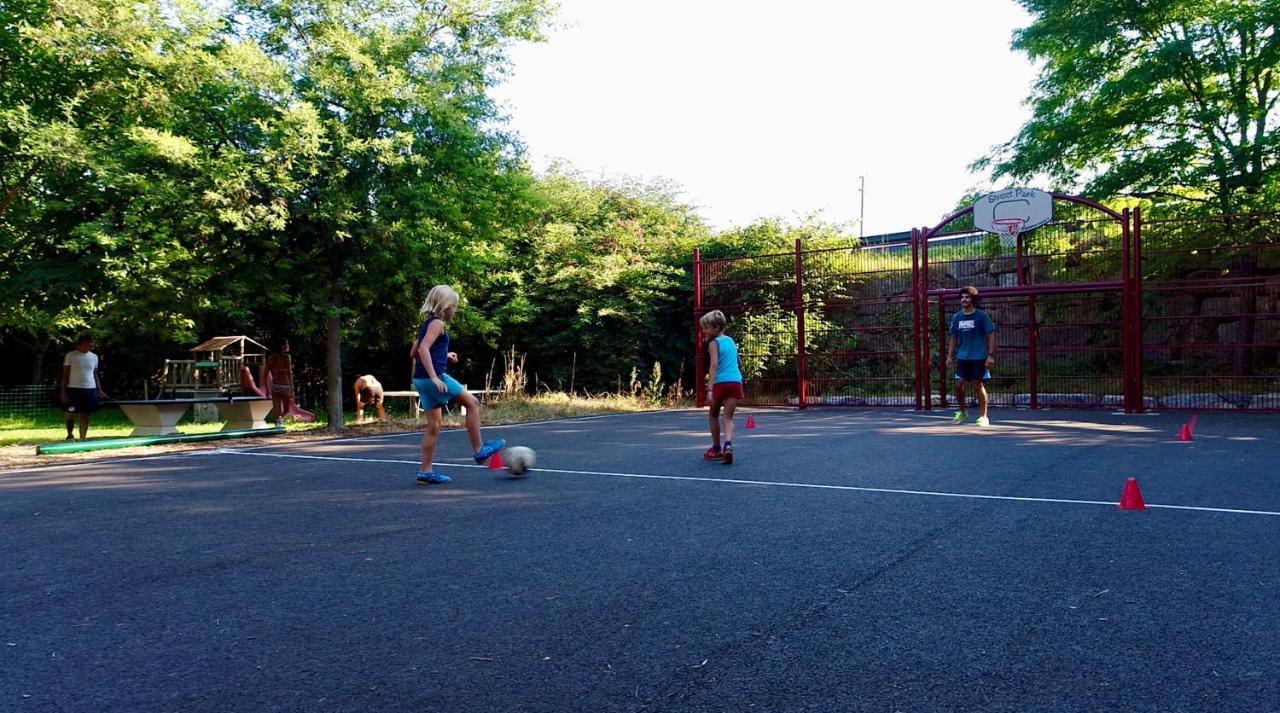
point(110, 422)
point(542, 407)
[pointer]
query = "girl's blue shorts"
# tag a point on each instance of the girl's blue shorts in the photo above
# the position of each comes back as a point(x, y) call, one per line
point(429, 396)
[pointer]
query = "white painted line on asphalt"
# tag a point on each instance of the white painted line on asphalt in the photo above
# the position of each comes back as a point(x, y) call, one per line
point(777, 484)
point(256, 454)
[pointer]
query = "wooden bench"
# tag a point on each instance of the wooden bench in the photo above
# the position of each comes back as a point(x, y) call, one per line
point(411, 395)
point(159, 417)
point(416, 410)
point(479, 394)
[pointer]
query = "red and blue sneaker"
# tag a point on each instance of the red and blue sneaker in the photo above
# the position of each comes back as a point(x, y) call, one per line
point(488, 449)
point(713, 453)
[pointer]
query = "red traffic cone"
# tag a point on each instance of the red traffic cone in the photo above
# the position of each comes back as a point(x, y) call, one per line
point(1184, 434)
point(751, 421)
point(495, 461)
point(1131, 498)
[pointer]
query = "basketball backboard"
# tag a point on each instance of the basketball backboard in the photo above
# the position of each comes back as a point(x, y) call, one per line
point(1013, 211)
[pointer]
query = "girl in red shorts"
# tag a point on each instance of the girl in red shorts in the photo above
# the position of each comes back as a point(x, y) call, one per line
point(726, 385)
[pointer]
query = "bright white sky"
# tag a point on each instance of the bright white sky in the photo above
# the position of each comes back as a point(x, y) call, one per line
point(775, 109)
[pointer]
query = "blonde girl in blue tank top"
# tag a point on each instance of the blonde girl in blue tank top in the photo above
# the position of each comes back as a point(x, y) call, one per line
point(431, 359)
point(724, 389)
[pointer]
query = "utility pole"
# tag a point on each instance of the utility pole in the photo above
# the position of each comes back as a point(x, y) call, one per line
point(862, 202)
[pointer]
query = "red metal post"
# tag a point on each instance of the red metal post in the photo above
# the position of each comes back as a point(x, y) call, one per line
point(1033, 338)
point(1018, 265)
point(915, 315)
point(942, 353)
point(1126, 314)
point(699, 365)
point(802, 382)
point(924, 315)
point(1136, 258)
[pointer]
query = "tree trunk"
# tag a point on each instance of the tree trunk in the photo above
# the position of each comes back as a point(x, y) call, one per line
point(37, 365)
point(333, 343)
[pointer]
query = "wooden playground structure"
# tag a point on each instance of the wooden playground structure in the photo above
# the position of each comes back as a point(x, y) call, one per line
point(219, 368)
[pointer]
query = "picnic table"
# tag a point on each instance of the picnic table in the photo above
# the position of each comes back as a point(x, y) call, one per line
point(159, 417)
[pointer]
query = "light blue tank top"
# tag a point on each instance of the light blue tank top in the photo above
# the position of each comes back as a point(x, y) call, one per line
point(727, 364)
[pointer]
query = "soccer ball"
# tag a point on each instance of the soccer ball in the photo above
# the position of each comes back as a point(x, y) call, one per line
point(518, 459)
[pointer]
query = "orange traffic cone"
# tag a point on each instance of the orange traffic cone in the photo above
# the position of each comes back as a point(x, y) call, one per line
point(1184, 434)
point(495, 461)
point(751, 421)
point(1131, 498)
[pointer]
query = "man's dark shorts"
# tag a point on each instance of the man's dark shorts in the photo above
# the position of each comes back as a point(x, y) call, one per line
point(81, 400)
point(970, 370)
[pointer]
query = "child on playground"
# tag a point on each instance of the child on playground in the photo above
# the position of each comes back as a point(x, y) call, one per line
point(725, 385)
point(436, 388)
point(277, 378)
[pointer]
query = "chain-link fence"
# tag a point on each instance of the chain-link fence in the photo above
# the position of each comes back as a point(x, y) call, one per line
point(28, 400)
point(1211, 312)
point(1097, 309)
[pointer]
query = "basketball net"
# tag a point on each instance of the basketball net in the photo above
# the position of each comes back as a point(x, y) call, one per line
point(1009, 229)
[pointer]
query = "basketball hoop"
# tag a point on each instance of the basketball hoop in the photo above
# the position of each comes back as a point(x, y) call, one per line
point(1008, 229)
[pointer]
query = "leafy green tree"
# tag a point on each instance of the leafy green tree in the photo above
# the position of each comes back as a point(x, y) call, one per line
point(133, 140)
point(408, 177)
point(1170, 99)
point(63, 72)
point(600, 283)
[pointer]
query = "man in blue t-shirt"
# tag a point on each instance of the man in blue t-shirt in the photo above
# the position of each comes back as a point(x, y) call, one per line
point(971, 348)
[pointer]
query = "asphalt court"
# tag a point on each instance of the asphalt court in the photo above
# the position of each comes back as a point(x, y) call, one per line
point(849, 560)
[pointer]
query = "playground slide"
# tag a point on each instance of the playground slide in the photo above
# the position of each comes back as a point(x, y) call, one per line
point(299, 413)
point(247, 383)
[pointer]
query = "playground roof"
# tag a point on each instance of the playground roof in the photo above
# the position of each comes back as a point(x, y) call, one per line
point(217, 344)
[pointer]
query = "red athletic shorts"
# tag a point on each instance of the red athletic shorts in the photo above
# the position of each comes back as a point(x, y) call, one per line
point(727, 390)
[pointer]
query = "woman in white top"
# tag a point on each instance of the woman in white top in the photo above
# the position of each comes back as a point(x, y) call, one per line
point(81, 390)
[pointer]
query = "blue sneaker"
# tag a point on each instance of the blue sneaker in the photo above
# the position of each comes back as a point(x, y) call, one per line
point(487, 450)
point(430, 477)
